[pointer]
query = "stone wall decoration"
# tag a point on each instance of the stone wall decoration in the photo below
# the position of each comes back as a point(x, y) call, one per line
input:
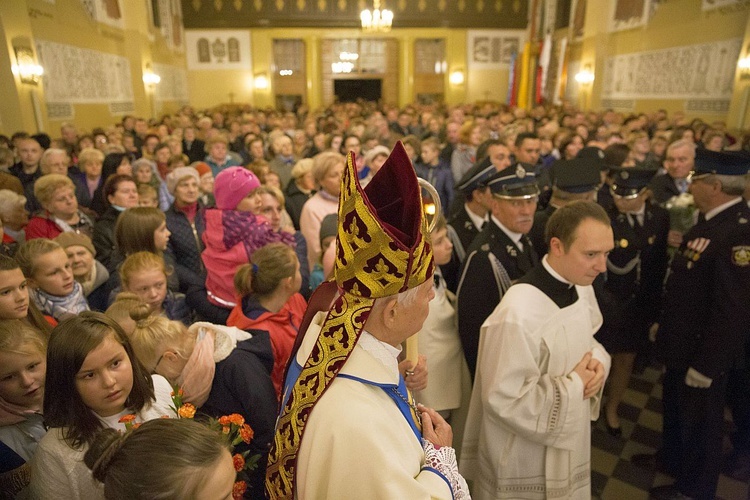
point(493, 49)
point(173, 85)
point(702, 71)
point(629, 14)
point(82, 75)
point(218, 49)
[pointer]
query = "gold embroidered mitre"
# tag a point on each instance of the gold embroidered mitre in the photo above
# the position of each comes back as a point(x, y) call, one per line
point(382, 249)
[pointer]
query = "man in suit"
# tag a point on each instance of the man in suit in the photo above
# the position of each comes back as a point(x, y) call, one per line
point(500, 254)
point(572, 180)
point(704, 325)
point(679, 161)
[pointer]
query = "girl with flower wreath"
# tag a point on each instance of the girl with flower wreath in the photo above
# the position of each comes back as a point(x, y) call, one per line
point(93, 380)
point(221, 370)
point(163, 458)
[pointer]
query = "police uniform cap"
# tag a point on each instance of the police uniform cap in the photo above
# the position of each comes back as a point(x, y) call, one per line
point(476, 176)
point(578, 175)
point(628, 182)
point(721, 162)
point(595, 154)
point(516, 181)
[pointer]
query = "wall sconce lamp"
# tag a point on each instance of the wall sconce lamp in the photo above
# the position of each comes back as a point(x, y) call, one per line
point(261, 81)
point(744, 66)
point(456, 77)
point(26, 67)
point(585, 76)
point(150, 79)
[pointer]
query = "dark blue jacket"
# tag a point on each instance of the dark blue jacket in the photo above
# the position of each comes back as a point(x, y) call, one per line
point(186, 242)
point(441, 177)
point(242, 384)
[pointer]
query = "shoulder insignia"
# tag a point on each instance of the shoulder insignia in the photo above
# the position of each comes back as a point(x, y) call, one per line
point(485, 247)
point(741, 255)
point(511, 250)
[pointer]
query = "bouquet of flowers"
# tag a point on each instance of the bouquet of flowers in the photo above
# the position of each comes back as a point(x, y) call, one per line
point(231, 428)
point(234, 430)
point(681, 212)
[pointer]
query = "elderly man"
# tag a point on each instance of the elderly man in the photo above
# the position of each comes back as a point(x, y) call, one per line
point(679, 161)
point(501, 253)
point(349, 427)
point(540, 372)
point(704, 326)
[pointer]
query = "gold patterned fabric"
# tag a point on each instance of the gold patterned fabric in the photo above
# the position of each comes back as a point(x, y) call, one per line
point(382, 249)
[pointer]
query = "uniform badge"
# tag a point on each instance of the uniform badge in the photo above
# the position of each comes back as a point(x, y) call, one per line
point(689, 265)
point(485, 247)
point(624, 175)
point(623, 243)
point(741, 255)
point(468, 225)
point(520, 171)
point(742, 220)
point(651, 240)
point(511, 250)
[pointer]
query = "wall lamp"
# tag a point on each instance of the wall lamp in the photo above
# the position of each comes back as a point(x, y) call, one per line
point(26, 67)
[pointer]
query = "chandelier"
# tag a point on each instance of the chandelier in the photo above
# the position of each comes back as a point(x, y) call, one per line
point(377, 19)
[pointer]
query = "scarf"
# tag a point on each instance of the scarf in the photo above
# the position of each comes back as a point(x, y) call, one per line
point(190, 211)
point(59, 307)
point(253, 232)
point(12, 414)
point(214, 343)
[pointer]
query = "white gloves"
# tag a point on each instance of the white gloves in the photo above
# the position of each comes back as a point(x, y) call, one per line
point(696, 379)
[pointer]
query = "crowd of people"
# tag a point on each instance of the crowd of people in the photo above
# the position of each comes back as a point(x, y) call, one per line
point(150, 256)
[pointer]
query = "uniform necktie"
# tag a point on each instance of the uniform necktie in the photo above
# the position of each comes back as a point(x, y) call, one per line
point(682, 185)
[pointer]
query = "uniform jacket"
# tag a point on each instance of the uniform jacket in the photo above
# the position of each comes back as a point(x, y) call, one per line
point(480, 289)
point(464, 229)
point(242, 384)
point(663, 188)
point(706, 316)
point(282, 327)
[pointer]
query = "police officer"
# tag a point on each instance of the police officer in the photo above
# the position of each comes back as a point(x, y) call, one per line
point(572, 180)
point(500, 254)
point(704, 325)
point(467, 221)
point(634, 278)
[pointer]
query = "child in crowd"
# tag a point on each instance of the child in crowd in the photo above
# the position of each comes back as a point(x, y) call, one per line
point(270, 300)
point(147, 196)
point(14, 298)
point(163, 458)
point(50, 277)
point(120, 309)
point(449, 384)
point(93, 381)
point(221, 370)
point(328, 228)
point(146, 275)
point(23, 352)
point(89, 272)
point(233, 232)
point(435, 171)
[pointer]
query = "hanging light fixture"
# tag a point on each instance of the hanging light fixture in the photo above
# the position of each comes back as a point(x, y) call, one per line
point(377, 19)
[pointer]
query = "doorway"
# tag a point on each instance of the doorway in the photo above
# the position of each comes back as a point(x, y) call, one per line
point(350, 90)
